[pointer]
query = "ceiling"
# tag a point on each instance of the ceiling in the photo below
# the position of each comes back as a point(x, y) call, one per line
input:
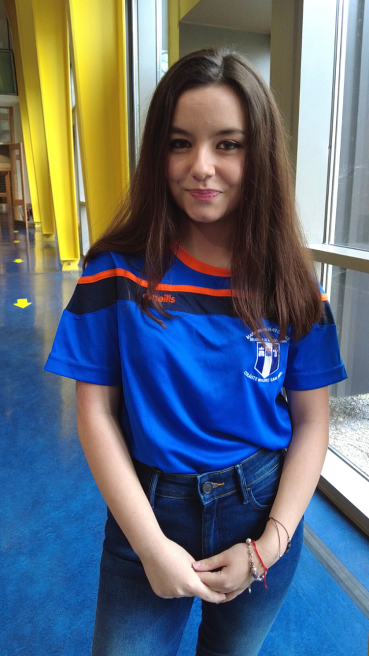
point(247, 15)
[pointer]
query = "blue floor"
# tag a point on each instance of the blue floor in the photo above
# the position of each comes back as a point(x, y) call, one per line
point(336, 531)
point(52, 515)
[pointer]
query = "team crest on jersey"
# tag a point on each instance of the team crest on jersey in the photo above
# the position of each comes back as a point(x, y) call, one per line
point(267, 359)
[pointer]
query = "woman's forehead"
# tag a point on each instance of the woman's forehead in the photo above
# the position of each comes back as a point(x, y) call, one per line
point(217, 105)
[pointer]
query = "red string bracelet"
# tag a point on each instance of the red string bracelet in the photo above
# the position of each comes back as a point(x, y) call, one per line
point(262, 564)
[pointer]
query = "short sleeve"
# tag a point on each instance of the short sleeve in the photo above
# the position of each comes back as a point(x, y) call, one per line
point(86, 344)
point(315, 361)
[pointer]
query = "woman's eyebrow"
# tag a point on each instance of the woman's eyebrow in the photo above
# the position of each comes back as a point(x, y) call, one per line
point(219, 133)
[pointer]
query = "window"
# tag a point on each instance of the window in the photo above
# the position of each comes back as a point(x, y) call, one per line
point(350, 225)
point(345, 254)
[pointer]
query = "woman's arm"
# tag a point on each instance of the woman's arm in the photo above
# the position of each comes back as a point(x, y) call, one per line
point(302, 466)
point(167, 565)
point(301, 470)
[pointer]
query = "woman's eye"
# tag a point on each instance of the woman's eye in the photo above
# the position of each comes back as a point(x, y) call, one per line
point(176, 144)
point(229, 145)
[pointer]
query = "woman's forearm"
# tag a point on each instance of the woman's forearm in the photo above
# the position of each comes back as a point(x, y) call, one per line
point(112, 468)
point(303, 464)
point(167, 565)
point(302, 467)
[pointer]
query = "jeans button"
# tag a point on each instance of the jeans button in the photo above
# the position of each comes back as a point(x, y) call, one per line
point(207, 487)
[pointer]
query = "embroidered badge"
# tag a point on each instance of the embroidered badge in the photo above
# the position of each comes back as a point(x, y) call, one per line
point(267, 359)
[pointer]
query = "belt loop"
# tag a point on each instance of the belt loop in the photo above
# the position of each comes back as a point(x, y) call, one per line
point(153, 484)
point(243, 484)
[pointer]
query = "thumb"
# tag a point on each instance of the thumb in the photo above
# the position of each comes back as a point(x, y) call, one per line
point(208, 564)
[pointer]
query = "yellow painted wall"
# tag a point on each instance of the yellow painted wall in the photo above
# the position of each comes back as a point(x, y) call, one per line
point(185, 6)
point(51, 32)
point(98, 46)
point(177, 9)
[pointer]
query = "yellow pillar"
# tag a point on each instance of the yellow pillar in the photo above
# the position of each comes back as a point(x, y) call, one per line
point(51, 32)
point(185, 6)
point(21, 16)
point(99, 67)
point(12, 18)
point(177, 9)
point(173, 31)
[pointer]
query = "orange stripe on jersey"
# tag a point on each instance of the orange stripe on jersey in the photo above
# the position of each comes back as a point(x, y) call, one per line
point(193, 263)
point(195, 290)
point(111, 273)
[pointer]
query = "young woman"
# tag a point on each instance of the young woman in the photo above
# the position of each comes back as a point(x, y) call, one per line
point(197, 307)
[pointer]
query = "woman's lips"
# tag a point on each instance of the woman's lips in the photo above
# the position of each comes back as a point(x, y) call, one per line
point(204, 194)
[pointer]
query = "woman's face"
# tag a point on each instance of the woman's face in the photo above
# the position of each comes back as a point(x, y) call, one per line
point(207, 153)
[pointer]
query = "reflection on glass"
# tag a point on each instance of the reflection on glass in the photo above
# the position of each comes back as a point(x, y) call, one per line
point(349, 429)
point(164, 38)
point(17, 177)
point(8, 83)
point(352, 218)
point(5, 125)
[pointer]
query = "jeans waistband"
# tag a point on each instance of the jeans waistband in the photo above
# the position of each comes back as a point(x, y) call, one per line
point(209, 485)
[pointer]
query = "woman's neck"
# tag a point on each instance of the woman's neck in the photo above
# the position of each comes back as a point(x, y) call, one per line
point(210, 243)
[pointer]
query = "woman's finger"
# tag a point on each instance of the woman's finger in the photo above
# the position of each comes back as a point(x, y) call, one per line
point(219, 581)
point(208, 564)
point(208, 594)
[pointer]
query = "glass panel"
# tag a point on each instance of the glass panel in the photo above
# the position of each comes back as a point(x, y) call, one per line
point(352, 218)
point(8, 84)
point(4, 157)
point(349, 425)
point(4, 125)
point(17, 176)
point(164, 37)
point(72, 94)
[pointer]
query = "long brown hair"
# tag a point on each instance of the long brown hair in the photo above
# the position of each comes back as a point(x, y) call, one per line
point(272, 275)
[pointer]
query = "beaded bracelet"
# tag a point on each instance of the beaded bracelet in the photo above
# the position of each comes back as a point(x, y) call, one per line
point(253, 569)
point(262, 564)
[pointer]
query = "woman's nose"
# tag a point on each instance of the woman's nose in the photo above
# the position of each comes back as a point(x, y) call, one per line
point(202, 165)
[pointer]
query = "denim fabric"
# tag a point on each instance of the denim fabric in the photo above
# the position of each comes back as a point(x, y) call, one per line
point(205, 520)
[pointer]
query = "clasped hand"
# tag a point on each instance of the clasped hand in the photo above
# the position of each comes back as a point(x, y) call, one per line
point(172, 572)
point(233, 578)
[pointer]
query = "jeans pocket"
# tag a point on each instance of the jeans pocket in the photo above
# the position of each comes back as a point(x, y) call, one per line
point(263, 490)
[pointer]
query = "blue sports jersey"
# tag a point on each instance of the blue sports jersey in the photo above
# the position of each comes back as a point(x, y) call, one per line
point(203, 393)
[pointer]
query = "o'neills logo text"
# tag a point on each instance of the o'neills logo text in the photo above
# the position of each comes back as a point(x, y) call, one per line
point(167, 298)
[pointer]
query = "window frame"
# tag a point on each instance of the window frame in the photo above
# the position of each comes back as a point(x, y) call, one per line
point(344, 483)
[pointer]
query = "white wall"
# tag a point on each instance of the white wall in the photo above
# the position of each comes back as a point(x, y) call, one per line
point(256, 47)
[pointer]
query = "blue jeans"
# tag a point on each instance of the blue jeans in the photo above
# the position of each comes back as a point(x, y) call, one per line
point(205, 520)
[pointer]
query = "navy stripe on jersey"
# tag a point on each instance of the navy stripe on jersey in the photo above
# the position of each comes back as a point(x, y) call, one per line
point(93, 297)
point(103, 293)
point(98, 295)
point(327, 317)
